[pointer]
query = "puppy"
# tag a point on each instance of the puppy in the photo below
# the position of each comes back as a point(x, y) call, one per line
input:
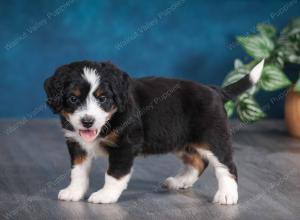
point(105, 112)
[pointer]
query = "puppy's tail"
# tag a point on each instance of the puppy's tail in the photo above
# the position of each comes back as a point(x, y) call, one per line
point(235, 89)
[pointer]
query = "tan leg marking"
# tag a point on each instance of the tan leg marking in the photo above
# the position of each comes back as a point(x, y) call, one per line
point(194, 160)
point(79, 159)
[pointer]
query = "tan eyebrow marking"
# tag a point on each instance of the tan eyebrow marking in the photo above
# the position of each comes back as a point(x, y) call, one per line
point(98, 92)
point(76, 91)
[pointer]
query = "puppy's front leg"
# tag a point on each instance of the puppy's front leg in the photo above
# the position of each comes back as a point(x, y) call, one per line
point(81, 164)
point(116, 178)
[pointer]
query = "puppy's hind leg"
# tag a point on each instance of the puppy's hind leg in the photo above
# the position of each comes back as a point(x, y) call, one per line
point(226, 174)
point(194, 166)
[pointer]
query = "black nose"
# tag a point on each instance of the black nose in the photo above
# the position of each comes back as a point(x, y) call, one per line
point(87, 121)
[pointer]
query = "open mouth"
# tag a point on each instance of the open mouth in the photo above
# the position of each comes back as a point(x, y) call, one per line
point(89, 134)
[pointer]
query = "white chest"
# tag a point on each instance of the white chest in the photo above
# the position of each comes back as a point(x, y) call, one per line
point(93, 149)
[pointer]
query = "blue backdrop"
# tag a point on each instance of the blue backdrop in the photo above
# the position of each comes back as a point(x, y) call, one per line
point(177, 38)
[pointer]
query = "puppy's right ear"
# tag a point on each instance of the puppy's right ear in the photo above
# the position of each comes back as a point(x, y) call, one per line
point(54, 90)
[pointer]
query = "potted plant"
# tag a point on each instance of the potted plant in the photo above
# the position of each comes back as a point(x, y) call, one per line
point(278, 50)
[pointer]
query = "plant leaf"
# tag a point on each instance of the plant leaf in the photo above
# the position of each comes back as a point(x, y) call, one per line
point(229, 107)
point(289, 42)
point(248, 109)
point(290, 49)
point(278, 60)
point(235, 75)
point(273, 78)
point(257, 46)
point(297, 85)
point(293, 27)
point(266, 30)
point(239, 73)
point(238, 63)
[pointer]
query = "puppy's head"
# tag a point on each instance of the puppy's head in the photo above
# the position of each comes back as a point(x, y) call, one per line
point(87, 94)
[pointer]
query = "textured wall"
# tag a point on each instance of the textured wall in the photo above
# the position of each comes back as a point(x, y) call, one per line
point(186, 38)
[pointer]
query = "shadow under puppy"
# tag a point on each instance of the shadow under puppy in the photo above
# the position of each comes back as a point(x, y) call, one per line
point(105, 112)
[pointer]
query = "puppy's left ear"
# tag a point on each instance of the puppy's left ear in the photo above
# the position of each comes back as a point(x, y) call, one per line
point(53, 88)
point(120, 89)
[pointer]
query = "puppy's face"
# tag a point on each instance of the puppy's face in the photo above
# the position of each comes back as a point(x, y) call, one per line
point(87, 94)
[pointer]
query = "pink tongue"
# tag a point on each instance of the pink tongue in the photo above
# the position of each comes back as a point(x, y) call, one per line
point(88, 135)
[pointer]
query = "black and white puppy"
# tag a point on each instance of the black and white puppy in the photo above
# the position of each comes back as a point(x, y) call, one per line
point(105, 112)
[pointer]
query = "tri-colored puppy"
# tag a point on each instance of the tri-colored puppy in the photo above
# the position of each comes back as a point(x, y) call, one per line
point(105, 112)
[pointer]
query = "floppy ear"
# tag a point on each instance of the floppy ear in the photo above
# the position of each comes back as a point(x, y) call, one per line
point(120, 87)
point(54, 90)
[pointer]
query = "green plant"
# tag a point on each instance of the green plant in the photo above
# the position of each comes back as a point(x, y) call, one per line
point(278, 49)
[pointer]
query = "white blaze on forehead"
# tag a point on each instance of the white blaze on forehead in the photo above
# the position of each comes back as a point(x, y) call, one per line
point(91, 108)
point(91, 76)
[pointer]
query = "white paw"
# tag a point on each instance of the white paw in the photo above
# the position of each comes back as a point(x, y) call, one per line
point(104, 196)
point(174, 183)
point(226, 196)
point(71, 194)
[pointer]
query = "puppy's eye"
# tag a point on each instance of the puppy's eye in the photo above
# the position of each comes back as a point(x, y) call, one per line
point(102, 99)
point(73, 99)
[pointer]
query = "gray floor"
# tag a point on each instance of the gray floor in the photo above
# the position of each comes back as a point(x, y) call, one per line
point(34, 166)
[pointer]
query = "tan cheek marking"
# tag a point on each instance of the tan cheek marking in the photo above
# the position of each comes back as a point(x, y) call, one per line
point(113, 136)
point(79, 159)
point(110, 140)
point(65, 114)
